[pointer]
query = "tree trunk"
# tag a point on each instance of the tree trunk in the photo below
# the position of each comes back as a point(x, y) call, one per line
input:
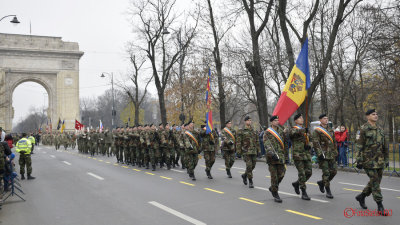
point(163, 110)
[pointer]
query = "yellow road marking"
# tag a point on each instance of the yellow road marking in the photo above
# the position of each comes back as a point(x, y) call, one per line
point(108, 162)
point(186, 183)
point(94, 158)
point(352, 190)
point(209, 189)
point(150, 173)
point(116, 164)
point(203, 166)
point(89, 157)
point(168, 178)
point(136, 170)
point(268, 176)
point(100, 160)
point(249, 200)
point(221, 169)
point(398, 197)
point(312, 183)
point(125, 167)
point(303, 214)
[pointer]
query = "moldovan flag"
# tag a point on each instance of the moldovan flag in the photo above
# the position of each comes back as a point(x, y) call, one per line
point(63, 126)
point(295, 90)
point(209, 123)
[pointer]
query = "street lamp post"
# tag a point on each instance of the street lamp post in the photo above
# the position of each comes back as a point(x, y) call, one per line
point(14, 20)
point(113, 113)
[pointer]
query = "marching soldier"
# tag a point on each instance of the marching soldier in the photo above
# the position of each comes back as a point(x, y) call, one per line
point(191, 145)
point(166, 143)
point(228, 146)
point(175, 153)
point(108, 139)
point(301, 155)
point(324, 144)
point(209, 146)
point(373, 156)
point(180, 140)
point(277, 155)
point(102, 142)
point(248, 146)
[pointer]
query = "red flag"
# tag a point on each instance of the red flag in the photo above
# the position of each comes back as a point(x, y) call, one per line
point(78, 125)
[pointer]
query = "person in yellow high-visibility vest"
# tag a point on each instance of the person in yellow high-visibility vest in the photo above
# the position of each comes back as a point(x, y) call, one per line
point(33, 141)
point(24, 147)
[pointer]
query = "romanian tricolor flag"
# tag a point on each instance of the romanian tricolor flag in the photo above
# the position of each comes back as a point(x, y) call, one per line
point(209, 123)
point(295, 90)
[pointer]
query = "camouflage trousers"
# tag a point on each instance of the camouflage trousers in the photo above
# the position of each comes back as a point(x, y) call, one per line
point(102, 148)
point(209, 158)
point(329, 170)
point(93, 148)
point(127, 154)
point(182, 155)
point(191, 160)
point(66, 144)
point(25, 160)
point(251, 161)
point(277, 172)
point(304, 170)
point(107, 148)
point(139, 155)
point(73, 144)
point(373, 186)
point(154, 154)
point(165, 153)
point(57, 145)
point(119, 152)
point(229, 157)
point(133, 153)
point(172, 157)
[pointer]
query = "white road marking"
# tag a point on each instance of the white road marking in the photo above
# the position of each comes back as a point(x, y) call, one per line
point(67, 163)
point(52, 156)
point(290, 194)
point(177, 171)
point(176, 213)
point(95, 176)
point(359, 185)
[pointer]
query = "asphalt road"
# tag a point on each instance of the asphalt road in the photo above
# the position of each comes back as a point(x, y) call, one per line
point(76, 189)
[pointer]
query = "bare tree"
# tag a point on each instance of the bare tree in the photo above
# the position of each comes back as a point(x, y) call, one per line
point(155, 17)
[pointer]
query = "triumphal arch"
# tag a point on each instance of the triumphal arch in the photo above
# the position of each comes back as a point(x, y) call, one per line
point(49, 61)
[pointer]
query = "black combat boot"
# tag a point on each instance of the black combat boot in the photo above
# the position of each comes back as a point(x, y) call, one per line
point(30, 177)
point(251, 183)
point(275, 195)
point(244, 177)
point(22, 177)
point(193, 177)
point(209, 174)
point(153, 167)
point(328, 192)
point(168, 166)
point(381, 209)
point(228, 172)
point(296, 186)
point(361, 199)
point(321, 186)
point(147, 165)
point(304, 195)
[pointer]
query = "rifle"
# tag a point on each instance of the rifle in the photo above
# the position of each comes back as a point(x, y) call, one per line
point(323, 154)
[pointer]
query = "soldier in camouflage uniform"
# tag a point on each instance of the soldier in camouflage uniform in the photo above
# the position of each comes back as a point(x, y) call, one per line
point(324, 144)
point(163, 142)
point(191, 144)
point(175, 153)
point(93, 140)
point(118, 145)
point(209, 146)
point(373, 156)
point(73, 141)
point(147, 140)
point(301, 155)
point(108, 139)
point(179, 138)
point(57, 140)
point(248, 146)
point(125, 146)
point(138, 144)
point(132, 146)
point(166, 144)
point(228, 146)
point(154, 151)
point(101, 143)
point(277, 155)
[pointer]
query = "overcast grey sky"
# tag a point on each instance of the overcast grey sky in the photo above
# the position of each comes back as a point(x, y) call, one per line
point(100, 27)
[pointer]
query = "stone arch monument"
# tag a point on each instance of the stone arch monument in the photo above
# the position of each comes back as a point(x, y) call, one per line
point(49, 61)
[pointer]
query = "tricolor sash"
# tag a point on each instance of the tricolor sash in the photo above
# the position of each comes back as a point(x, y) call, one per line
point(192, 137)
point(230, 133)
point(276, 135)
point(325, 132)
point(305, 135)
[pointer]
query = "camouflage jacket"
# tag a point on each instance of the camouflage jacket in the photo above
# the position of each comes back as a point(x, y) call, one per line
point(108, 137)
point(228, 138)
point(102, 137)
point(274, 146)
point(191, 143)
point(247, 141)
point(209, 141)
point(299, 138)
point(371, 147)
point(323, 144)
